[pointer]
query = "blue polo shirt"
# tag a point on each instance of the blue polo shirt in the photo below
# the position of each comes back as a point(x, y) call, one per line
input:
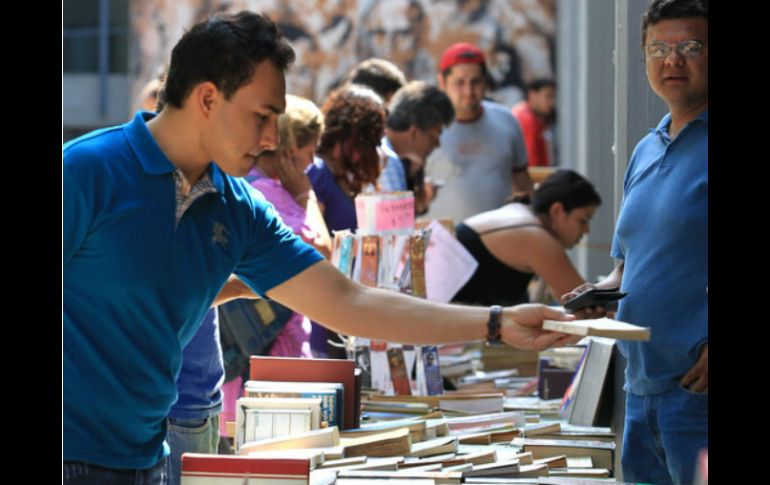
point(136, 287)
point(393, 176)
point(662, 235)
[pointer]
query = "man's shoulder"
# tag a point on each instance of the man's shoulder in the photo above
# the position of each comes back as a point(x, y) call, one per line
point(93, 144)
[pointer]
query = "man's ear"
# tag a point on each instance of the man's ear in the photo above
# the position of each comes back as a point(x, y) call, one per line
point(205, 96)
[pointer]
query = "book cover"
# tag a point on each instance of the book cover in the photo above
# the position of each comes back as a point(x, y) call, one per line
point(209, 469)
point(432, 366)
point(261, 418)
point(293, 369)
point(369, 260)
point(332, 395)
point(398, 372)
point(417, 264)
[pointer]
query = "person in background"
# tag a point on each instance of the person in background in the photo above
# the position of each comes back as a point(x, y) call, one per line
point(534, 115)
point(528, 237)
point(661, 240)
point(418, 114)
point(347, 157)
point(280, 177)
point(482, 159)
point(383, 77)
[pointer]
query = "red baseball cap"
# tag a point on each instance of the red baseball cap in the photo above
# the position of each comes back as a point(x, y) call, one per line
point(461, 53)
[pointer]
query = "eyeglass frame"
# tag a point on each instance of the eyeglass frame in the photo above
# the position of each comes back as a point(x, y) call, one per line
point(678, 47)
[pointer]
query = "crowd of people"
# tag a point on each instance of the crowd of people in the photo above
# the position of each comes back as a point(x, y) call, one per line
point(236, 187)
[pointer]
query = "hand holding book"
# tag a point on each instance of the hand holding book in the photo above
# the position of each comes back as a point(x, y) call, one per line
point(522, 327)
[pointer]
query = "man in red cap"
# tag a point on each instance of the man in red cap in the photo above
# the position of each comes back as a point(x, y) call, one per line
point(482, 159)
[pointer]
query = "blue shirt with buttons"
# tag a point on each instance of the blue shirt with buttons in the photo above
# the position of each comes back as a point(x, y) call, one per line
point(662, 235)
point(136, 285)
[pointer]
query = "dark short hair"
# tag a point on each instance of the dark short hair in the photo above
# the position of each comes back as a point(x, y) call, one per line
point(224, 49)
point(382, 76)
point(419, 104)
point(565, 186)
point(541, 83)
point(672, 9)
point(354, 115)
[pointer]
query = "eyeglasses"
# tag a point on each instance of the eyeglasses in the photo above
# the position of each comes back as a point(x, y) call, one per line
point(661, 50)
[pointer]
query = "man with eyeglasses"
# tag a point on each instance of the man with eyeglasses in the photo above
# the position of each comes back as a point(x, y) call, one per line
point(661, 238)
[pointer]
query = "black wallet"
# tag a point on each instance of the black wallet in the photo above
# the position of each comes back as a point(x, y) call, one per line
point(595, 297)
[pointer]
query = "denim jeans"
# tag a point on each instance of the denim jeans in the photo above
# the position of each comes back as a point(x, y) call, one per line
point(663, 435)
point(195, 435)
point(80, 473)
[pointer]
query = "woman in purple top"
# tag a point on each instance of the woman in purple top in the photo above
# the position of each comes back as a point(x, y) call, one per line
point(280, 176)
point(347, 158)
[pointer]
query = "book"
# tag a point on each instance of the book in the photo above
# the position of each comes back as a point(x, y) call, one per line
point(417, 264)
point(580, 472)
point(311, 370)
point(591, 391)
point(542, 428)
point(369, 260)
point(600, 327)
point(211, 469)
point(316, 457)
point(384, 213)
point(496, 469)
point(262, 418)
point(417, 429)
point(446, 444)
point(395, 442)
point(320, 438)
point(432, 371)
point(330, 393)
point(398, 371)
point(515, 418)
point(391, 477)
point(601, 452)
point(355, 460)
point(556, 461)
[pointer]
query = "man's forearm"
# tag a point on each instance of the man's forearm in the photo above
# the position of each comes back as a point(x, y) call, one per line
point(614, 279)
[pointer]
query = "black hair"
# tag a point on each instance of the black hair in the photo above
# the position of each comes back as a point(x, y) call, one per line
point(672, 9)
point(382, 76)
point(565, 186)
point(224, 49)
point(419, 104)
point(541, 83)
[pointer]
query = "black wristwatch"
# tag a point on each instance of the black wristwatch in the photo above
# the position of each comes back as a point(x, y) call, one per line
point(493, 325)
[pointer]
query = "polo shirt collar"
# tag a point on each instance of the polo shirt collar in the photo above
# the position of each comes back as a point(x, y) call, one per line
point(152, 158)
point(388, 148)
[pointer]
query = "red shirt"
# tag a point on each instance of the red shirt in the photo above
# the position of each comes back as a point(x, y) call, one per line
point(533, 130)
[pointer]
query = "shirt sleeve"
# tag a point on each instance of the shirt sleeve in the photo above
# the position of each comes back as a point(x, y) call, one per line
point(520, 157)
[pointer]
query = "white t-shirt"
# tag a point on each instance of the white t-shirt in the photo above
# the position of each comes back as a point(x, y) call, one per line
point(476, 161)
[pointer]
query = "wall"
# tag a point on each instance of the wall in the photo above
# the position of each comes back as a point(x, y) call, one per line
point(331, 36)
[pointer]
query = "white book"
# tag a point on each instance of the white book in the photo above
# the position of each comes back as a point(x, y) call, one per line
point(600, 327)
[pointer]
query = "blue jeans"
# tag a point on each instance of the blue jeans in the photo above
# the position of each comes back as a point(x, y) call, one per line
point(80, 473)
point(193, 435)
point(663, 435)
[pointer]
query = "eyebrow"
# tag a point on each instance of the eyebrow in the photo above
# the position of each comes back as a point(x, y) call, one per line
point(274, 109)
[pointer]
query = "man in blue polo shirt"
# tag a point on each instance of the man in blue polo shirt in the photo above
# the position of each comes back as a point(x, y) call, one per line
point(153, 229)
point(662, 239)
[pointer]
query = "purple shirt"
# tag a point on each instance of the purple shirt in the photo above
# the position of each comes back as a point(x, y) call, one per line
point(294, 339)
point(339, 208)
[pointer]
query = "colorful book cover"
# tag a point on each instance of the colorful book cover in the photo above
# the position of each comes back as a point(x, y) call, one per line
point(398, 372)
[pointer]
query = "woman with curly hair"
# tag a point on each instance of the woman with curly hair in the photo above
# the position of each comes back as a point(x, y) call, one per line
point(347, 158)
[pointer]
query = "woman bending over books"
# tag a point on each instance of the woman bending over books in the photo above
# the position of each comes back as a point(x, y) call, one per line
point(526, 237)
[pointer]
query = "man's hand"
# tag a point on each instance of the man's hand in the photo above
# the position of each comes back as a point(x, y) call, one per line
point(697, 379)
point(587, 312)
point(522, 327)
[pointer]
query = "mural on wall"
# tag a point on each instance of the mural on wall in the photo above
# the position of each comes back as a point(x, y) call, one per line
point(331, 36)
